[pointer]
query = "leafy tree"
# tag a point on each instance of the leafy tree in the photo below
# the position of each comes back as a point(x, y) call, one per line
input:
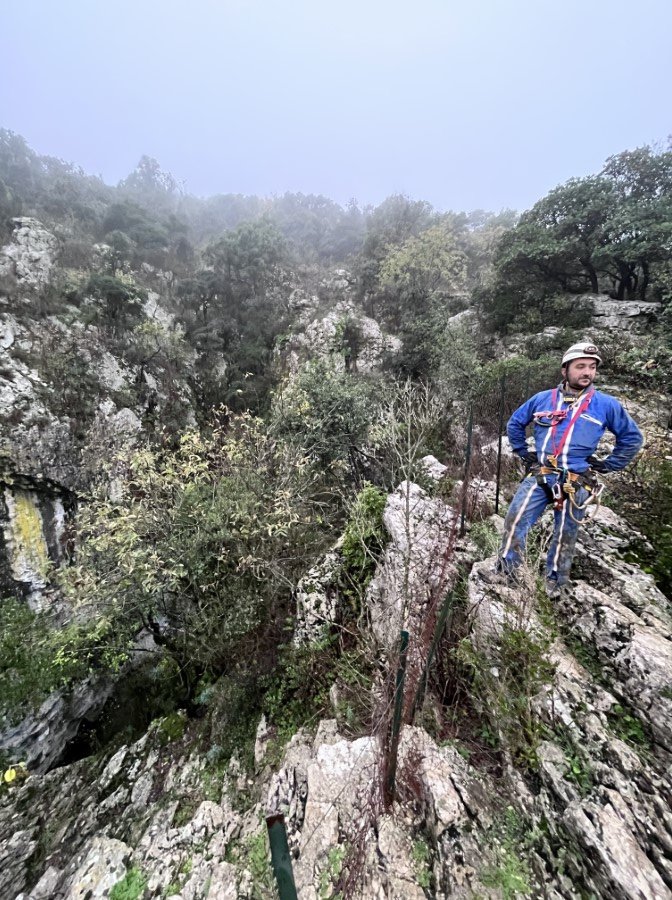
point(120, 306)
point(202, 546)
point(246, 256)
point(420, 280)
point(20, 167)
point(396, 220)
point(326, 411)
point(316, 228)
point(424, 268)
point(151, 186)
point(135, 222)
point(220, 213)
point(640, 234)
point(608, 233)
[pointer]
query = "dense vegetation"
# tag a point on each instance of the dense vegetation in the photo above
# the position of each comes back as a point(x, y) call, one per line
point(240, 483)
point(609, 233)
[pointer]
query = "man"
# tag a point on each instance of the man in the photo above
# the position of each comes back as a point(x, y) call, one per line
point(568, 424)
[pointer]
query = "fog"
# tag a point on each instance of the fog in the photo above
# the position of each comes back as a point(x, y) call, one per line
point(481, 104)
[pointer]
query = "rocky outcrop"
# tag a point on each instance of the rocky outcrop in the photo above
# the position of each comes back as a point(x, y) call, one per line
point(41, 738)
point(317, 599)
point(577, 804)
point(603, 752)
point(623, 315)
point(330, 793)
point(351, 339)
point(34, 529)
point(417, 566)
point(31, 254)
point(143, 811)
point(70, 404)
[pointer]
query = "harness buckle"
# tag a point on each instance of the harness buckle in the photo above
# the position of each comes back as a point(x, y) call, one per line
point(558, 496)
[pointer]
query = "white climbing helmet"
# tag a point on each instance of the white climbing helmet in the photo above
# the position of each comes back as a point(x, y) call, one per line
point(585, 350)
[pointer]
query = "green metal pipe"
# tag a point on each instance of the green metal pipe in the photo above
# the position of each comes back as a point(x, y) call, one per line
point(280, 858)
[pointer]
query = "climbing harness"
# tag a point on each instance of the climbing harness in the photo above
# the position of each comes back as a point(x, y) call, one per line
point(564, 490)
point(557, 446)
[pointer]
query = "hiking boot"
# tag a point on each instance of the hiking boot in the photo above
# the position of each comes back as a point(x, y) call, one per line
point(554, 590)
point(498, 576)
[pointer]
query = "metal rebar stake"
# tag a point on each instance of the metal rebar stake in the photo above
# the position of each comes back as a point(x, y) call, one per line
point(499, 441)
point(438, 631)
point(467, 463)
point(391, 774)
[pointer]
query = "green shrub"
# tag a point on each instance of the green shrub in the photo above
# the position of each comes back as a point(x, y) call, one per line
point(39, 655)
point(171, 728)
point(504, 681)
point(511, 874)
point(119, 305)
point(421, 863)
point(131, 887)
point(363, 542)
point(328, 412)
point(297, 693)
point(643, 495)
point(210, 536)
point(628, 727)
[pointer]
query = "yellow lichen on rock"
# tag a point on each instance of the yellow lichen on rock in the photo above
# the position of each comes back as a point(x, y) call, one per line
point(28, 548)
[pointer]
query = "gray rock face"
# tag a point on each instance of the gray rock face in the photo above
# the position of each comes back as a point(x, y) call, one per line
point(41, 737)
point(143, 808)
point(417, 567)
point(604, 762)
point(597, 810)
point(32, 536)
point(31, 254)
point(317, 599)
point(330, 794)
point(623, 315)
point(324, 337)
point(435, 469)
point(102, 866)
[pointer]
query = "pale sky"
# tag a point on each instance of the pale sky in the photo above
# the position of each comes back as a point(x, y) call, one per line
point(481, 104)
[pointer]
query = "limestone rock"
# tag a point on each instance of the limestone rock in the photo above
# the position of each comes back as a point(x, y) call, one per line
point(41, 737)
point(261, 740)
point(323, 337)
point(608, 798)
point(434, 469)
point(156, 312)
point(24, 541)
point(624, 315)
point(330, 793)
point(317, 599)
point(340, 280)
point(17, 848)
point(416, 567)
point(102, 866)
point(30, 255)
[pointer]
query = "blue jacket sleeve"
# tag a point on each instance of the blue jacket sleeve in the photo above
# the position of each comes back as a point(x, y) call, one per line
point(628, 438)
point(517, 424)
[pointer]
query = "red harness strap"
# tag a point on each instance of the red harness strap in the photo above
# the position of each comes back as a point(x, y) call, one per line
point(583, 406)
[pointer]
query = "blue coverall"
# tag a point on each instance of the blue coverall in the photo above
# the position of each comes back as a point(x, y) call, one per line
point(531, 499)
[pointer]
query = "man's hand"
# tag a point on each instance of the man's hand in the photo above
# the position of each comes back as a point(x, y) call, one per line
point(530, 460)
point(597, 465)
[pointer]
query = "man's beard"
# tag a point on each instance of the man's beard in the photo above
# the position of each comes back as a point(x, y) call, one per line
point(580, 385)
